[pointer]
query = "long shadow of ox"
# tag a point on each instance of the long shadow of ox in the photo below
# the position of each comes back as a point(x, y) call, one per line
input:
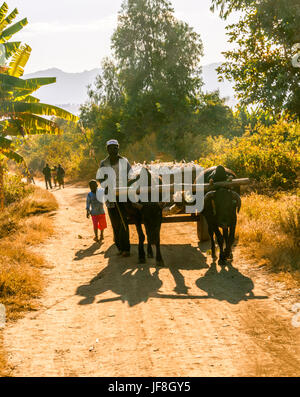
point(227, 284)
point(134, 283)
point(131, 282)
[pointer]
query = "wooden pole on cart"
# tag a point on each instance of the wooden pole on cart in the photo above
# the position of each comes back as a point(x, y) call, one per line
point(207, 186)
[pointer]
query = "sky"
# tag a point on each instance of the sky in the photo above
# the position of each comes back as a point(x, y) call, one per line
point(74, 35)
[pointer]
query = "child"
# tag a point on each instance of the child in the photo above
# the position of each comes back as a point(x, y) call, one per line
point(95, 208)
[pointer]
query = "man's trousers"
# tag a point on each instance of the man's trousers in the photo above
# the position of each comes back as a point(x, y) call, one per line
point(121, 233)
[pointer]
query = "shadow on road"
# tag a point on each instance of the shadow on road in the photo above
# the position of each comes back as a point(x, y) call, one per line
point(90, 251)
point(185, 257)
point(227, 284)
point(134, 283)
point(80, 196)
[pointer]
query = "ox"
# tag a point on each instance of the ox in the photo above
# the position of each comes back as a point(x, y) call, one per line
point(151, 215)
point(220, 210)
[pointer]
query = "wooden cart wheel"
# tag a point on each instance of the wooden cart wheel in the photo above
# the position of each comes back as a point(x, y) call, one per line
point(202, 229)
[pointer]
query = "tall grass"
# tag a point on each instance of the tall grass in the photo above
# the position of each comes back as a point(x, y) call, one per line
point(269, 230)
point(23, 224)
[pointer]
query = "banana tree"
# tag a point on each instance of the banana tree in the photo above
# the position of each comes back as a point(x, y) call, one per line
point(21, 113)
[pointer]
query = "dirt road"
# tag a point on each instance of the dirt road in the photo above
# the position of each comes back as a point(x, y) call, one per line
point(102, 315)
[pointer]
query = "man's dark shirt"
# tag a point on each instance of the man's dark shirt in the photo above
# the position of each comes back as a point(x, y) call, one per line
point(106, 163)
point(60, 172)
point(47, 172)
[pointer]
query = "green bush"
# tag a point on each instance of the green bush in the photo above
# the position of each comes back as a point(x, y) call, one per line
point(14, 188)
point(270, 155)
point(68, 149)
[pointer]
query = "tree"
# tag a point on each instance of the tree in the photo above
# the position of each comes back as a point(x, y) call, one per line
point(156, 53)
point(154, 76)
point(261, 64)
point(20, 112)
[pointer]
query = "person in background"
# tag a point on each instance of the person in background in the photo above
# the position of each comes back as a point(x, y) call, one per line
point(30, 177)
point(47, 174)
point(60, 176)
point(95, 208)
point(54, 175)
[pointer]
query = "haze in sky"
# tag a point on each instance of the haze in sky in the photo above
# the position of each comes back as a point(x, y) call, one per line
point(74, 35)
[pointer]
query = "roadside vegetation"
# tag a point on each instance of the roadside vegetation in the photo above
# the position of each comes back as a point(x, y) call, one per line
point(268, 232)
point(24, 223)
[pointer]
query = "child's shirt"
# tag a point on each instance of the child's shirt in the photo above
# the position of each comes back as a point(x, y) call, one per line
point(93, 205)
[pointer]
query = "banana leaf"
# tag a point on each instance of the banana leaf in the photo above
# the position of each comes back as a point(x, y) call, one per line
point(30, 99)
point(30, 124)
point(30, 85)
point(15, 132)
point(40, 81)
point(12, 155)
point(8, 20)
point(18, 61)
point(15, 83)
point(7, 33)
point(4, 142)
point(11, 47)
point(3, 11)
point(36, 108)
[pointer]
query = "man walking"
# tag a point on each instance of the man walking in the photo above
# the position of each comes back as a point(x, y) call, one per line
point(117, 210)
point(30, 178)
point(60, 176)
point(47, 174)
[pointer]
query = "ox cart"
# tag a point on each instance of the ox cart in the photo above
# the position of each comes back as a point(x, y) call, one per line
point(182, 216)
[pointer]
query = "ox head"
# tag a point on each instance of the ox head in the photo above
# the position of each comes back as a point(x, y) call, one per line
point(223, 203)
point(218, 173)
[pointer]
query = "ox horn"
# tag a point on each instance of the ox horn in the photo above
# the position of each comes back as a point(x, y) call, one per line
point(209, 196)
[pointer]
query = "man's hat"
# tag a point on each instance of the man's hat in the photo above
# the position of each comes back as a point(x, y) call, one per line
point(112, 142)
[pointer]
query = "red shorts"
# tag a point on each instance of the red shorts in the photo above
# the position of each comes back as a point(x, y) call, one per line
point(99, 221)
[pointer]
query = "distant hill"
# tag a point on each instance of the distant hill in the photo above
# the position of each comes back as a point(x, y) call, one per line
point(70, 90)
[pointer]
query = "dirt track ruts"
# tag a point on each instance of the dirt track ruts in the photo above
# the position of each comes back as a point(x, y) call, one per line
point(102, 315)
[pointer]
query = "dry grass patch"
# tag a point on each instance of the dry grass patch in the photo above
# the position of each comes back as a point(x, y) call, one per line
point(20, 279)
point(21, 227)
point(35, 230)
point(19, 285)
point(39, 202)
point(269, 231)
